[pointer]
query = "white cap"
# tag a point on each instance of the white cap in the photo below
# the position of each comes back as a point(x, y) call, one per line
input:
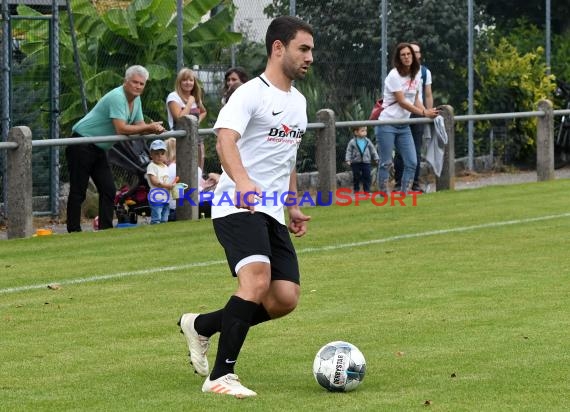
point(158, 145)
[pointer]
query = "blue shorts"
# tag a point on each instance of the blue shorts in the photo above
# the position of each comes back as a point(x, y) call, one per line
point(246, 234)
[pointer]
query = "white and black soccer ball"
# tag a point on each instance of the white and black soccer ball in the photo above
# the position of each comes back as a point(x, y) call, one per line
point(339, 366)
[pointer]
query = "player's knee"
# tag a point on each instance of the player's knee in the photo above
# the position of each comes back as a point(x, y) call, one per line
point(281, 308)
point(253, 287)
point(288, 301)
point(290, 306)
point(281, 304)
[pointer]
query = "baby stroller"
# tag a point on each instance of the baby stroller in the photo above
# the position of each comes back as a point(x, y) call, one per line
point(131, 200)
point(562, 127)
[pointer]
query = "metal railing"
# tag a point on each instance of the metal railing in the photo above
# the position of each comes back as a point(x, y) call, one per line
point(18, 179)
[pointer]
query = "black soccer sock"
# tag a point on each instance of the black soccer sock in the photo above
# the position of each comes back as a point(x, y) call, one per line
point(236, 320)
point(260, 315)
point(207, 324)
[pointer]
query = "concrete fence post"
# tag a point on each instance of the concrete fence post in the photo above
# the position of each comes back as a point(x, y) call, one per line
point(325, 153)
point(446, 181)
point(187, 166)
point(19, 183)
point(545, 142)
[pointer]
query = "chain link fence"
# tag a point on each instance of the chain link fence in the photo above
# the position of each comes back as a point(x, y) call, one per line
point(29, 104)
point(349, 89)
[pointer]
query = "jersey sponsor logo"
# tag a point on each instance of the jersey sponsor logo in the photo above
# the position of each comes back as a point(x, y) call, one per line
point(285, 134)
point(274, 113)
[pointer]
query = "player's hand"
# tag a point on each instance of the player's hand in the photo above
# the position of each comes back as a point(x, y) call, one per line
point(247, 196)
point(297, 221)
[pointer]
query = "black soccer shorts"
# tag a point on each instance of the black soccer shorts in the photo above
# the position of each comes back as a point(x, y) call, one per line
point(245, 234)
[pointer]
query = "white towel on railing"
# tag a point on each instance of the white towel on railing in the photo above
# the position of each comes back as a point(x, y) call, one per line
point(436, 145)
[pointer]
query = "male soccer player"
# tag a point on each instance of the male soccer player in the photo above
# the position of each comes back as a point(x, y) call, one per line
point(258, 132)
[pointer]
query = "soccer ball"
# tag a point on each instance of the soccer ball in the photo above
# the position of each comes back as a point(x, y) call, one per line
point(339, 366)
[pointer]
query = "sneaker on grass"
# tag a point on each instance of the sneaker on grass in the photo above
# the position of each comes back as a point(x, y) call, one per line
point(197, 344)
point(227, 385)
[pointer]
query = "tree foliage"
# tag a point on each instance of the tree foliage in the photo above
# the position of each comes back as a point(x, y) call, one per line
point(526, 36)
point(347, 40)
point(142, 33)
point(533, 11)
point(347, 43)
point(510, 81)
point(508, 52)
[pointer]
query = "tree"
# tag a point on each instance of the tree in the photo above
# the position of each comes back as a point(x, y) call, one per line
point(526, 37)
point(511, 81)
point(347, 39)
point(142, 33)
point(347, 43)
point(533, 11)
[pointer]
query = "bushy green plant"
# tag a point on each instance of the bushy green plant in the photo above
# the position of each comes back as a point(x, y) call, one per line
point(511, 81)
point(526, 36)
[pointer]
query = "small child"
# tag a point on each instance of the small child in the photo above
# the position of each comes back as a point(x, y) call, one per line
point(360, 152)
point(158, 178)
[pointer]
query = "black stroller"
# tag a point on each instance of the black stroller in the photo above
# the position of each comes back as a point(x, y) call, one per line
point(562, 127)
point(131, 200)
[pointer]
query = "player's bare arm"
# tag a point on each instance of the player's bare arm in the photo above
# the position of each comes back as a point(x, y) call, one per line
point(123, 127)
point(297, 219)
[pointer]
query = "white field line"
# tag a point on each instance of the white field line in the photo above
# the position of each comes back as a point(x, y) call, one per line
point(148, 271)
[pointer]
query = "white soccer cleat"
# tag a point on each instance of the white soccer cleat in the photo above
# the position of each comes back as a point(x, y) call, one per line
point(197, 344)
point(227, 385)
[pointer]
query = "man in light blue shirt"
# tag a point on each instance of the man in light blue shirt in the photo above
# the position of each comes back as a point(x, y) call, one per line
point(119, 112)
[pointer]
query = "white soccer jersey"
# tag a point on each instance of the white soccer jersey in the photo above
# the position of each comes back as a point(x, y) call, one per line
point(271, 123)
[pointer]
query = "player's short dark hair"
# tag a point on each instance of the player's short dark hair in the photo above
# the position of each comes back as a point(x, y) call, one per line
point(284, 29)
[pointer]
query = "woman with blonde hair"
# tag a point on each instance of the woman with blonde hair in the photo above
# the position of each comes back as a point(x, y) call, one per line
point(184, 100)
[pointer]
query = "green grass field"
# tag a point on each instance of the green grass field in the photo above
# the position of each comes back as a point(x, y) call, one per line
point(462, 302)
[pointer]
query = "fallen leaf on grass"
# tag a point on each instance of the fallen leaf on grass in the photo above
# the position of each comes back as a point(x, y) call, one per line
point(54, 286)
point(454, 375)
point(427, 403)
point(399, 353)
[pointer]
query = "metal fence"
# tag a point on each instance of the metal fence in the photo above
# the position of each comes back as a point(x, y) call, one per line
point(20, 180)
point(31, 92)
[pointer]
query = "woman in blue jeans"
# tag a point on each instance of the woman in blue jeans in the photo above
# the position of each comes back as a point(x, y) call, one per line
point(401, 98)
